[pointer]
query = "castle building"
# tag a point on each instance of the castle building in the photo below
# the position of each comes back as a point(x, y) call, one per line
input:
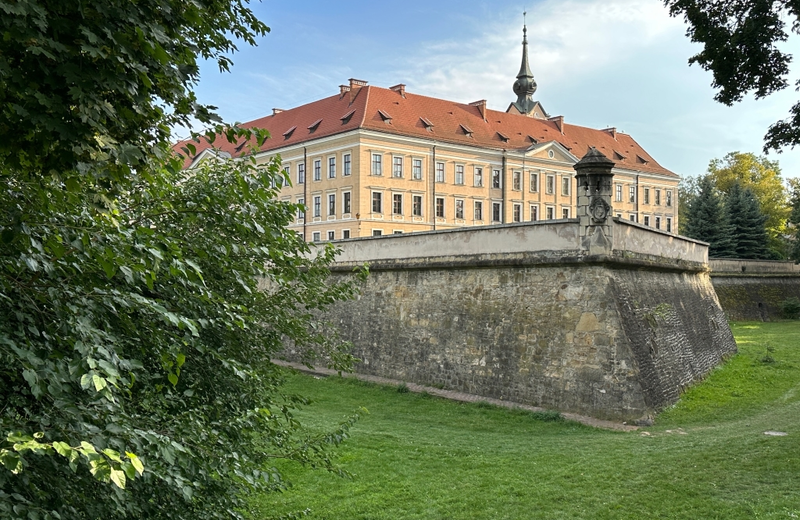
point(371, 161)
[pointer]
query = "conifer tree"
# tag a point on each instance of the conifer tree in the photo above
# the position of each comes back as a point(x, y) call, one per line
point(707, 220)
point(750, 238)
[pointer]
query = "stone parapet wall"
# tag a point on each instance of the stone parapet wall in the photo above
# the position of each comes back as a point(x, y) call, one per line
point(747, 267)
point(596, 339)
point(756, 297)
point(636, 238)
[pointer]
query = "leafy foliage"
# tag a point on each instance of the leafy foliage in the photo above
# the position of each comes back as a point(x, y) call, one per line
point(707, 220)
point(97, 85)
point(147, 330)
point(794, 220)
point(740, 48)
point(140, 304)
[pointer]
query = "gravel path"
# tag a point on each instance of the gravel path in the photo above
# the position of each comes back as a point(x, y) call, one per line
point(460, 396)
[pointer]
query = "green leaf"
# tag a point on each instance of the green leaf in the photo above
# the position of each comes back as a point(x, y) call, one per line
point(136, 461)
point(86, 381)
point(11, 461)
point(181, 359)
point(62, 448)
point(173, 378)
point(99, 382)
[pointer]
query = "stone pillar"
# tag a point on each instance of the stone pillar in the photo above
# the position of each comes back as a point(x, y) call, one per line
point(595, 188)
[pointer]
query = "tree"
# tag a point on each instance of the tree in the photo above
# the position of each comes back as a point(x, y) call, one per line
point(793, 230)
point(688, 188)
point(762, 178)
point(740, 48)
point(140, 305)
point(707, 220)
point(747, 222)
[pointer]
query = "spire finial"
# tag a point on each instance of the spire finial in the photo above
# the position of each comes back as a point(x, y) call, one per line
point(525, 85)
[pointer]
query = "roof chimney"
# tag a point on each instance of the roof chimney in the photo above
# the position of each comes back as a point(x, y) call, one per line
point(481, 105)
point(343, 89)
point(610, 130)
point(400, 89)
point(355, 87)
point(559, 121)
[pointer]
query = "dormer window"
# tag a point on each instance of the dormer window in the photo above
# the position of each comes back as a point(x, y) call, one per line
point(641, 159)
point(618, 156)
point(427, 123)
point(532, 139)
point(346, 118)
point(503, 137)
point(385, 117)
point(287, 134)
point(313, 126)
point(467, 131)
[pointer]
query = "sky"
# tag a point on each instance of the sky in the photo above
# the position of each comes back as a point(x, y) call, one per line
point(599, 63)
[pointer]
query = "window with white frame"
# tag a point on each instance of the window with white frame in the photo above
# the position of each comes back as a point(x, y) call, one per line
point(317, 206)
point(346, 202)
point(377, 232)
point(534, 182)
point(550, 213)
point(416, 205)
point(301, 211)
point(658, 197)
point(565, 213)
point(478, 177)
point(618, 193)
point(566, 183)
point(416, 169)
point(397, 167)
point(647, 220)
point(631, 193)
point(439, 172)
point(516, 212)
point(331, 204)
point(478, 210)
point(318, 170)
point(397, 203)
point(497, 212)
point(669, 198)
point(669, 225)
point(459, 209)
point(440, 207)
point(332, 167)
point(397, 232)
point(331, 235)
point(315, 236)
point(658, 222)
point(377, 164)
point(346, 164)
point(301, 173)
point(497, 179)
point(287, 171)
point(632, 217)
point(647, 195)
point(550, 184)
point(516, 181)
point(377, 202)
point(534, 212)
point(459, 174)
point(345, 233)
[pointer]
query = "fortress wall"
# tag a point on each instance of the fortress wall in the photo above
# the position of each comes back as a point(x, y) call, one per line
point(603, 336)
point(754, 290)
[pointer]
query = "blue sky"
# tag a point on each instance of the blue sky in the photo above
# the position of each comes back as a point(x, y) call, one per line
point(598, 63)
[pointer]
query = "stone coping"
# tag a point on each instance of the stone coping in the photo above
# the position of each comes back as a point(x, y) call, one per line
point(616, 260)
point(459, 396)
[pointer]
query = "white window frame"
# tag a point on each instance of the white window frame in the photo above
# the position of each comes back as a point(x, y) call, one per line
point(441, 173)
point(331, 205)
point(516, 213)
point(332, 167)
point(618, 192)
point(345, 233)
point(632, 193)
point(317, 170)
point(439, 204)
point(550, 184)
point(550, 212)
point(668, 196)
point(372, 201)
point(459, 209)
point(477, 211)
point(376, 164)
point(565, 213)
point(347, 165)
point(533, 177)
point(331, 235)
point(477, 176)
point(417, 205)
point(316, 236)
point(416, 169)
point(395, 198)
point(459, 174)
point(497, 179)
point(347, 202)
point(497, 211)
point(301, 173)
point(566, 185)
point(534, 212)
point(516, 181)
point(397, 166)
point(301, 214)
point(317, 208)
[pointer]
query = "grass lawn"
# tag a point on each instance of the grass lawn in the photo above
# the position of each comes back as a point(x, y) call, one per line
point(418, 457)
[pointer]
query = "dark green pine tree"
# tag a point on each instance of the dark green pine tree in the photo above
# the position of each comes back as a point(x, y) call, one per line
point(707, 220)
point(749, 233)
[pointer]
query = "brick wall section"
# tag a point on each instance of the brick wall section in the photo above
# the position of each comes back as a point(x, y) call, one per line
point(610, 341)
point(755, 297)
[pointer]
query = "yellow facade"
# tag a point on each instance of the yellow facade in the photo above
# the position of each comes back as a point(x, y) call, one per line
point(363, 182)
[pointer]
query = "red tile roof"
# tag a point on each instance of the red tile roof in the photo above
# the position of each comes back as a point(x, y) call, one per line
point(431, 118)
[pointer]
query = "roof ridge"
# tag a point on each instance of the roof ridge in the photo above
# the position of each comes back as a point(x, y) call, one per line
point(366, 105)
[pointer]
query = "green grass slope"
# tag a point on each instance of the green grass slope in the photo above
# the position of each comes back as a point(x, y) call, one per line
point(417, 457)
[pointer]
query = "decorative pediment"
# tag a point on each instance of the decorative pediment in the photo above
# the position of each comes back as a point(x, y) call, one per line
point(551, 151)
